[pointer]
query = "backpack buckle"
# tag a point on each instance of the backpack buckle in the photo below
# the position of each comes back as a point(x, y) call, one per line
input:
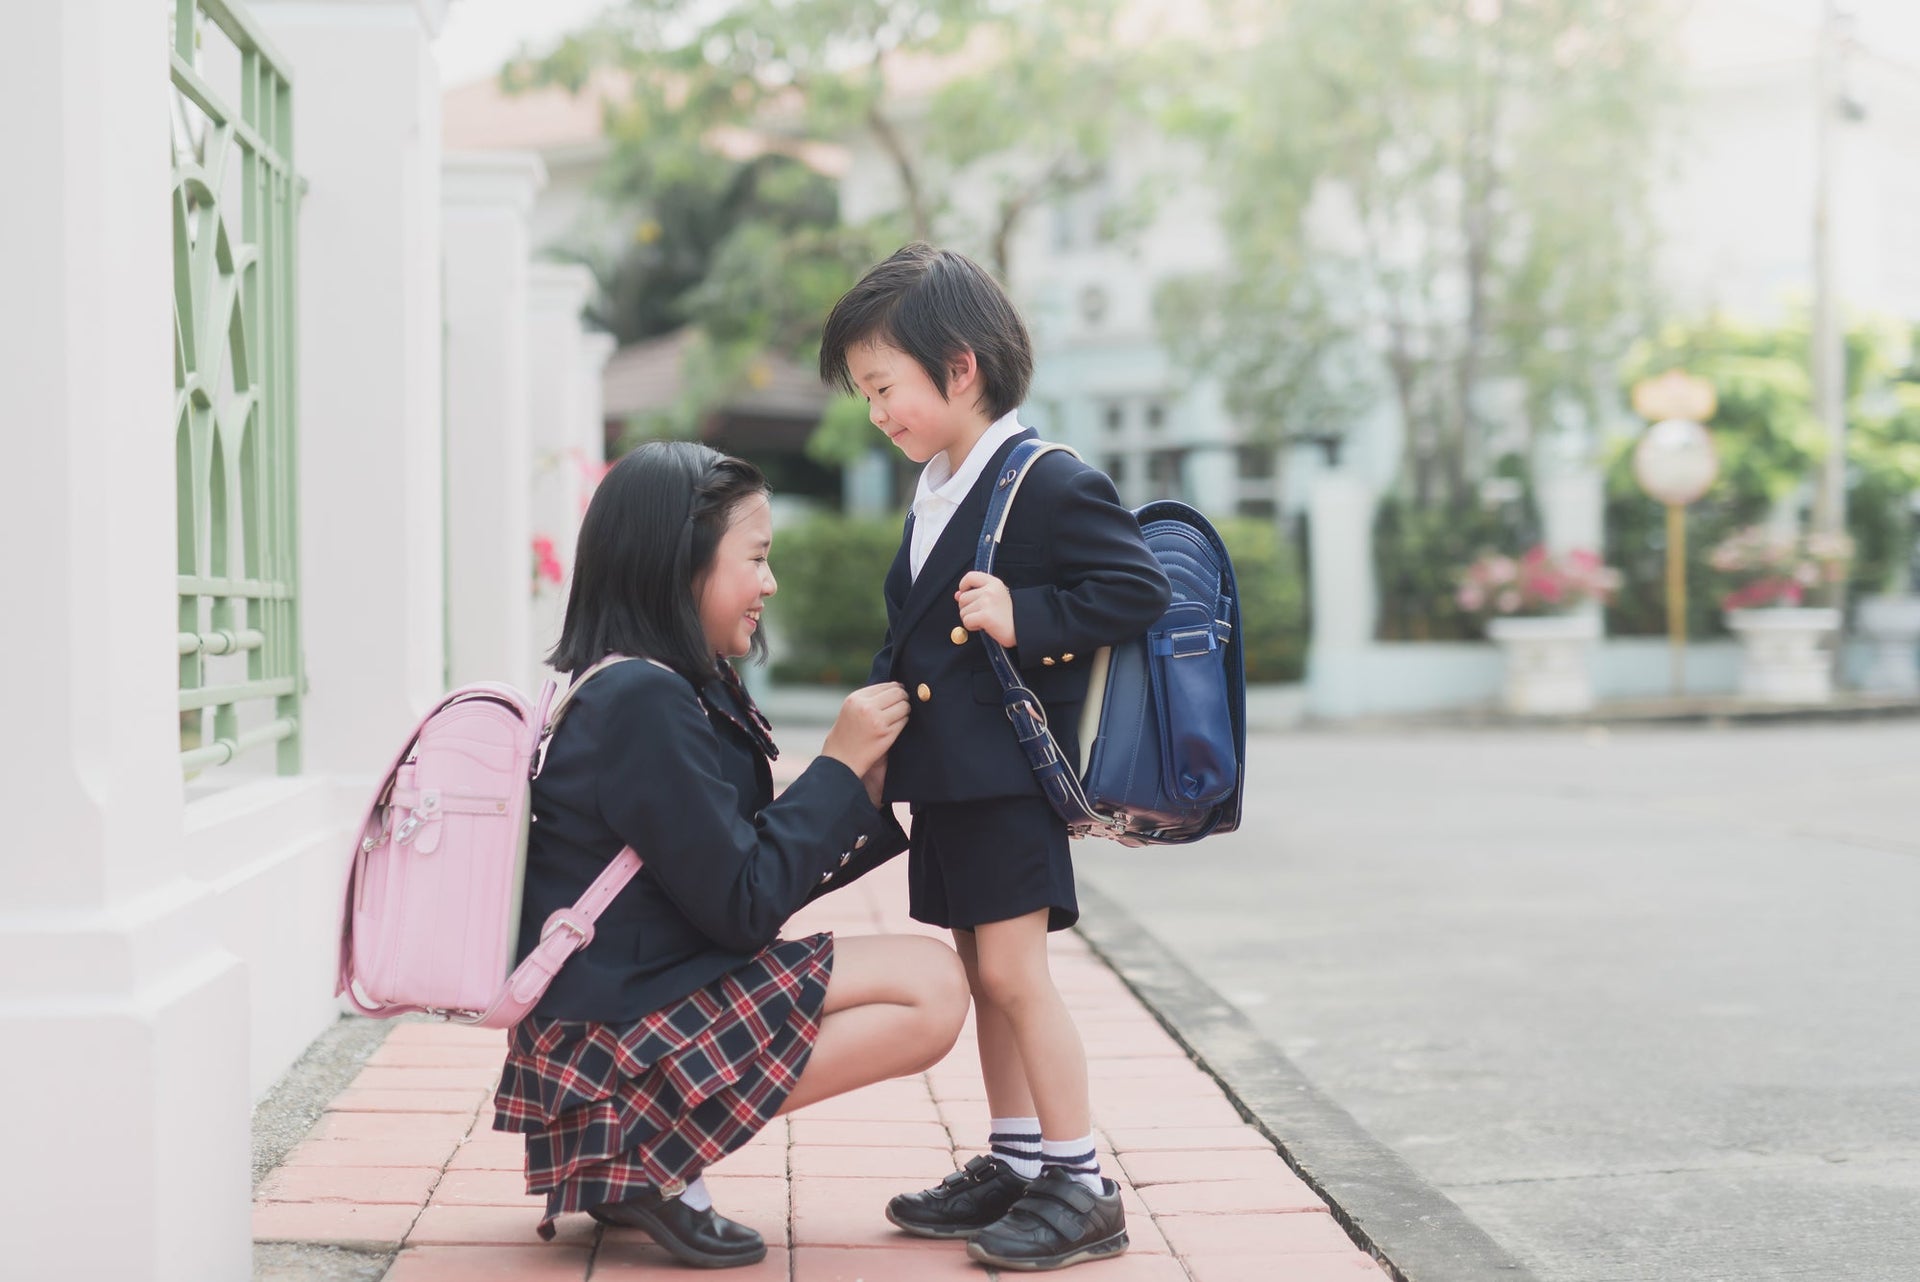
point(561, 921)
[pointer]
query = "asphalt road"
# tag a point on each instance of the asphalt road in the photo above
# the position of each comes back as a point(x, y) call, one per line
point(1645, 1005)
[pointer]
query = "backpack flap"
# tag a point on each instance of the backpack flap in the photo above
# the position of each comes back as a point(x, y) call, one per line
point(1198, 762)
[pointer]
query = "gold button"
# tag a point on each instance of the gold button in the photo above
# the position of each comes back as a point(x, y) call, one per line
point(924, 693)
point(1048, 661)
point(1066, 658)
point(959, 636)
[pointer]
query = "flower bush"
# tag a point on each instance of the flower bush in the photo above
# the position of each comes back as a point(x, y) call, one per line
point(1765, 568)
point(546, 565)
point(1535, 583)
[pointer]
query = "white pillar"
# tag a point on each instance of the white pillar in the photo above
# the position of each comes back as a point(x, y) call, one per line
point(486, 199)
point(1573, 511)
point(125, 1024)
point(367, 140)
point(1345, 605)
point(564, 428)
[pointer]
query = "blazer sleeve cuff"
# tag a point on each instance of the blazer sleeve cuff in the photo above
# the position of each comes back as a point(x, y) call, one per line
point(868, 851)
point(1034, 622)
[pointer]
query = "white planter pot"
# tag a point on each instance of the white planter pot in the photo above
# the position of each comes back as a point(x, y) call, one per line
point(1892, 625)
point(1548, 662)
point(1783, 656)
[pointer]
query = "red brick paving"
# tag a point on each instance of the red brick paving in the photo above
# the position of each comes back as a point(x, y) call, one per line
point(406, 1156)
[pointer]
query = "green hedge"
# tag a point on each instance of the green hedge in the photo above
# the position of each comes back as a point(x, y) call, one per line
point(829, 615)
point(1273, 599)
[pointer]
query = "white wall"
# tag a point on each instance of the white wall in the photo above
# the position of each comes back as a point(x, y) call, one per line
point(125, 1018)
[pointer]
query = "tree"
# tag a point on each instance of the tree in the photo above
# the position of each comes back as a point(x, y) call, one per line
point(1013, 104)
point(1770, 444)
point(1423, 199)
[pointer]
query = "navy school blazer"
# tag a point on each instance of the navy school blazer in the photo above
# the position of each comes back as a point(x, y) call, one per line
point(639, 759)
point(1080, 576)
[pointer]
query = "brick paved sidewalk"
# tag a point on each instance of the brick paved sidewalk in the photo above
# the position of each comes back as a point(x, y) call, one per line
point(406, 1158)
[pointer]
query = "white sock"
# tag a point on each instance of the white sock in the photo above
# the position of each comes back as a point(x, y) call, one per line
point(1016, 1141)
point(695, 1195)
point(1076, 1158)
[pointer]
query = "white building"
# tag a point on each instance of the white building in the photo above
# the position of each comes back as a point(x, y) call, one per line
point(328, 494)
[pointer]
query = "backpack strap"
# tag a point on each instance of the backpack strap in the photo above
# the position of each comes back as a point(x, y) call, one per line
point(565, 933)
point(1051, 770)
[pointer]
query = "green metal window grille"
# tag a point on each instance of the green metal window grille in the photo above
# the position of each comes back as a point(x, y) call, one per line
point(235, 198)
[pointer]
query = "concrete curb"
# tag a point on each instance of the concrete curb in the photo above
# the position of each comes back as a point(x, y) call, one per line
point(1413, 1229)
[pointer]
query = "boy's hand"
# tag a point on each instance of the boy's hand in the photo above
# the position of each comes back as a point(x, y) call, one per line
point(986, 606)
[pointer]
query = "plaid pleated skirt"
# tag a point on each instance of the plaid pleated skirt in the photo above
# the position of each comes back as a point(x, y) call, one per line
point(611, 1109)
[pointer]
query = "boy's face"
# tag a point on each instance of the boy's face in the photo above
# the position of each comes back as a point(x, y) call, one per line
point(903, 402)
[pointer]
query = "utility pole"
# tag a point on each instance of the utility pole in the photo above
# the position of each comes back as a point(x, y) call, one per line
point(1829, 339)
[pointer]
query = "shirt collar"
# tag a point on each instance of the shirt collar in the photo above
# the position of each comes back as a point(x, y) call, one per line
point(936, 481)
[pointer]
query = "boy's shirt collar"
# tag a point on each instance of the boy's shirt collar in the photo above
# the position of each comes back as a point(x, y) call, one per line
point(939, 481)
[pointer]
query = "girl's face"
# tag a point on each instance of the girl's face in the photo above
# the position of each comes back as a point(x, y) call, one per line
point(739, 580)
point(903, 402)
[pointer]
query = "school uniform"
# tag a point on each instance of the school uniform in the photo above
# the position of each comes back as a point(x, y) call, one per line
point(677, 1033)
point(986, 845)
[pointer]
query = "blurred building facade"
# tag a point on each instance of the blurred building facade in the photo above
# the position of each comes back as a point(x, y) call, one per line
point(304, 393)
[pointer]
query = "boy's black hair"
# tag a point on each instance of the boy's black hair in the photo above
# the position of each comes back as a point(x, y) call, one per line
point(933, 304)
point(645, 547)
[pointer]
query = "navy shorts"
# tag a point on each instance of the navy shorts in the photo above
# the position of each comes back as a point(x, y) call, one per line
point(975, 862)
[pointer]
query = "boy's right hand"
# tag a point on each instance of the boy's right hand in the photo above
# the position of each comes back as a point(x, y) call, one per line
point(870, 719)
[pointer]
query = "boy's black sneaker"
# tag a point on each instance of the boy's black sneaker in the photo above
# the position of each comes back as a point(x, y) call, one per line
point(1058, 1222)
point(967, 1201)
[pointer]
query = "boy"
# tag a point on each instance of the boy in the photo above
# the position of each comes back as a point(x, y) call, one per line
point(943, 360)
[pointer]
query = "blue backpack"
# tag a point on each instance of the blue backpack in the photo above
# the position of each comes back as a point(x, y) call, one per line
point(1163, 732)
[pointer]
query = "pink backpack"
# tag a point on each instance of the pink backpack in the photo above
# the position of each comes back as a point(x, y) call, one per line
point(432, 916)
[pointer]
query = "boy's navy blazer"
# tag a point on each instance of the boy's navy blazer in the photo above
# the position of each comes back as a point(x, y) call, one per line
point(641, 759)
point(1080, 576)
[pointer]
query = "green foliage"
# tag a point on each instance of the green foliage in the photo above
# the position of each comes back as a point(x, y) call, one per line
point(1420, 197)
point(1771, 448)
point(1420, 551)
point(1273, 602)
point(829, 612)
point(1026, 103)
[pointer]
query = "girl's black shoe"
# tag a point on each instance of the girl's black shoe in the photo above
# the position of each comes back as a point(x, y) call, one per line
point(962, 1204)
point(703, 1239)
point(1059, 1221)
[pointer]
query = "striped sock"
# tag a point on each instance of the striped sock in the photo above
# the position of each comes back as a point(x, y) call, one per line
point(1016, 1141)
point(1076, 1158)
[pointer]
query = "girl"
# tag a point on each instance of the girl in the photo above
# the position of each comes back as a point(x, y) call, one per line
point(686, 1024)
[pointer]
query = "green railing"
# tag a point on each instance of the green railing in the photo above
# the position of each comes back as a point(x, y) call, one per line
point(235, 198)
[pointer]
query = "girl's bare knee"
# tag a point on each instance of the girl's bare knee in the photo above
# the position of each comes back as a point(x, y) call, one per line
point(942, 1002)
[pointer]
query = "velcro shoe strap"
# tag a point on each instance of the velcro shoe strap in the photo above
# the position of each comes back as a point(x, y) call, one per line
point(978, 1170)
point(1062, 1209)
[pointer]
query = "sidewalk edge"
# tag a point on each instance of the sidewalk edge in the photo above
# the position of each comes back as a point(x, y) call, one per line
point(1416, 1232)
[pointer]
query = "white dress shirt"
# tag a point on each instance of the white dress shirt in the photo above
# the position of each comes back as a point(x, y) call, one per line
point(941, 489)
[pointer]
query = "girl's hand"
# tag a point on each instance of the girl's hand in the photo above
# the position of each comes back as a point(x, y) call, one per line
point(986, 606)
point(876, 780)
point(870, 719)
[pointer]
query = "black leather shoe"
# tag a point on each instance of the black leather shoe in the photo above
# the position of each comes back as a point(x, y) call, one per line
point(702, 1239)
point(1059, 1221)
point(962, 1204)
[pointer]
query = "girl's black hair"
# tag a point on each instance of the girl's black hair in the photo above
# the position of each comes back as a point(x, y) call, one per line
point(645, 547)
point(933, 304)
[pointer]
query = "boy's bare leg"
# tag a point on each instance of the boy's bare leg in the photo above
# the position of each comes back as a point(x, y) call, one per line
point(1009, 973)
point(1000, 1065)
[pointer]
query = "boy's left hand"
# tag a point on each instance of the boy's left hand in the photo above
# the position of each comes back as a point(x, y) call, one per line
point(986, 606)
